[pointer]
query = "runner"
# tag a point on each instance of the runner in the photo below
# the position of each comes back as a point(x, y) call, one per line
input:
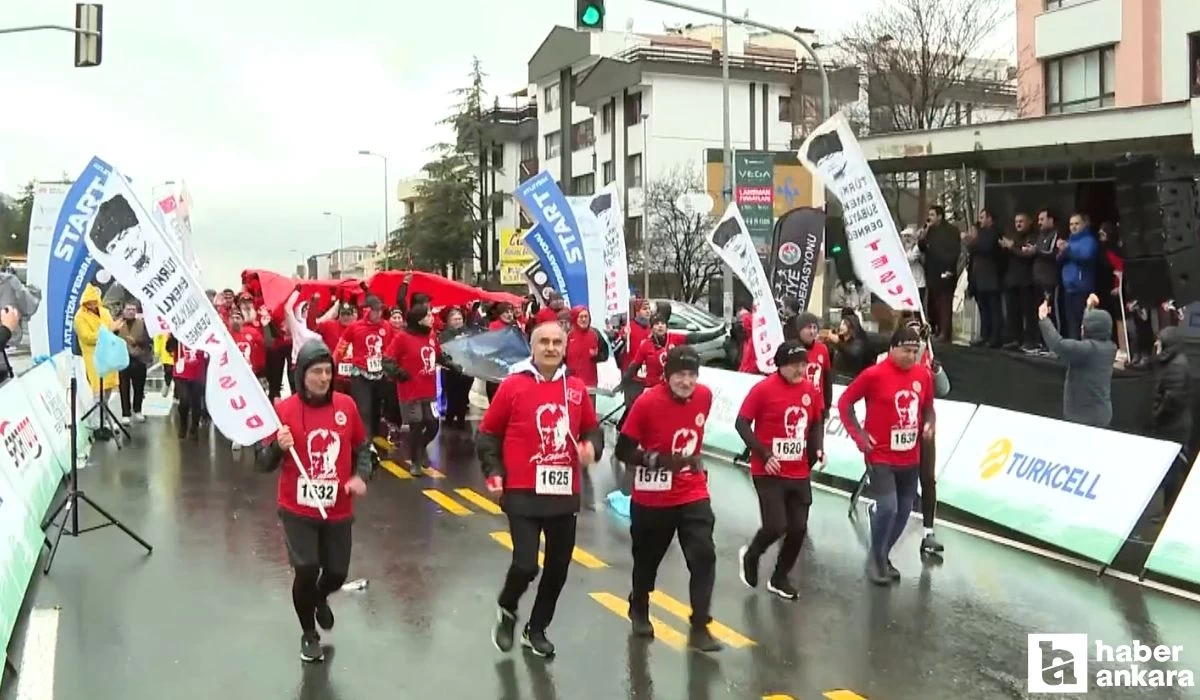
point(415, 352)
point(325, 429)
point(899, 402)
point(782, 421)
point(189, 370)
point(537, 433)
point(662, 436)
point(362, 346)
point(331, 330)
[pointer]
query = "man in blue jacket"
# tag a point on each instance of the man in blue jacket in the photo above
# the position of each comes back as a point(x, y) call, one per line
point(1077, 256)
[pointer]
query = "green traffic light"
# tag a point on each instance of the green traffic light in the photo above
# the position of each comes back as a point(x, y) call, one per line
point(835, 250)
point(591, 16)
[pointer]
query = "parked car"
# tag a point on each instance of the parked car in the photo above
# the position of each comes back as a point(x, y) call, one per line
point(689, 318)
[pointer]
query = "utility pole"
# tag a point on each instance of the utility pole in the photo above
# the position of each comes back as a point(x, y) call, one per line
point(726, 157)
point(88, 31)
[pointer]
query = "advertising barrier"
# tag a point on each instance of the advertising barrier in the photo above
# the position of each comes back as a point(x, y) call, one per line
point(1073, 486)
point(1176, 552)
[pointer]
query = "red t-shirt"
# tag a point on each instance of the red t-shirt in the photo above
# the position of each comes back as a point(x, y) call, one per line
point(819, 366)
point(896, 400)
point(365, 343)
point(652, 357)
point(190, 365)
point(582, 347)
point(416, 354)
point(250, 343)
point(536, 421)
point(781, 414)
point(331, 332)
point(659, 422)
point(325, 438)
point(635, 333)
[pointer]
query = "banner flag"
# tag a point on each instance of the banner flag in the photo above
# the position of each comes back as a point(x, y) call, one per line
point(173, 212)
point(538, 280)
point(555, 241)
point(832, 153)
point(123, 237)
point(612, 264)
point(489, 355)
point(49, 327)
point(799, 236)
point(731, 241)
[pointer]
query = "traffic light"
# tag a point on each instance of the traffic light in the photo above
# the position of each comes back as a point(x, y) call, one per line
point(89, 26)
point(589, 14)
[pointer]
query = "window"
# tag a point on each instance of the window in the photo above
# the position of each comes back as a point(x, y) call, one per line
point(523, 219)
point(583, 185)
point(498, 156)
point(607, 112)
point(1081, 81)
point(633, 109)
point(553, 97)
point(498, 205)
point(529, 149)
point(553, 144)
point(583, 135)
point(609, 170)
point(633, 171)
point(785, 108)
point(633, 232)
point(1194, 59)
point(1059, 4)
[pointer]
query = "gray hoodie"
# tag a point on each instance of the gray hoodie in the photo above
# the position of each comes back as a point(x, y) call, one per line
point(1087, 391)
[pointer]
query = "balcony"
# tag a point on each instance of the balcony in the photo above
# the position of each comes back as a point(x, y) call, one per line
point(512, 115)
point(662, 54)
point(529, 168)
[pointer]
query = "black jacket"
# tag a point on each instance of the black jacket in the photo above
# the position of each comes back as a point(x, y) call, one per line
point(6, 371)
point(1045, 260)
point(1171, 415)
point(1019, 271)
point(985, 260)
point(942, 246)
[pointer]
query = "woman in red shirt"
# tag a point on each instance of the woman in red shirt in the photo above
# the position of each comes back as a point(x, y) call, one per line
point(415, 353)
point(585, 348)
point(189, 372)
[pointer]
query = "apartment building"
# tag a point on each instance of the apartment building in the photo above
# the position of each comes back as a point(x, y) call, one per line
point(1079, 55)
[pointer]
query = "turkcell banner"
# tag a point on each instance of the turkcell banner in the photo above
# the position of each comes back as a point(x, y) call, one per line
point(555, 239)
point(1176, 552)
point(50, 401)
point(44, 221)
point(1066, 484)
point(27, 455)
point(20, 542)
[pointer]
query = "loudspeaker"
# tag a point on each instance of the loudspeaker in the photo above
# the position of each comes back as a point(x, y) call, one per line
point(1184, 267)
point(1148, 280)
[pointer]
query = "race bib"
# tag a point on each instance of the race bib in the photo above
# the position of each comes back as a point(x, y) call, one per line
point(554, 480)
point(344, 369)
point(904, 439)
point(641, 372)
point(787, 449)
point(180, 363)
point(374, 364)
point(323, 492)
point(647, 479)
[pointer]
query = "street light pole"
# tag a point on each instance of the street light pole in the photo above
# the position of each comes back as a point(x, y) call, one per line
point(726, 157)
point(341, 242)
point(645, 207)
point(386, 196)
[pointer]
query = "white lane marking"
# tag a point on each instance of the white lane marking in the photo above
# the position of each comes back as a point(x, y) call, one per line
point(36, 679)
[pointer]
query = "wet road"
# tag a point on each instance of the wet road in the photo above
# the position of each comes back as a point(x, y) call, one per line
point(209, 613)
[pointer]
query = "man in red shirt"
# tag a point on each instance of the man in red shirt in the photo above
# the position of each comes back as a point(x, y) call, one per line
point(362, 346)
point(782, 422)
point(190, 370)
point(322, 428)
point(416, 353)
point(331, 330)
point(538, 433)
point(899, 402)
point(250, 343)
point(662, 436)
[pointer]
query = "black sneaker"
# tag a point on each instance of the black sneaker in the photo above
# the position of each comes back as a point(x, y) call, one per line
point(536, 642)
point(892, 572)
point(747, 567)
point(310, 648)
point(930, 544)
point(783, 588)
point(502, 633)
point(875, 574)
point(324, 615)
point(700, 639)
point(639, 618)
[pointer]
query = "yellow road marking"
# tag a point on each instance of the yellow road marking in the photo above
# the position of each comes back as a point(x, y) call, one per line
point(843, 695)
point(778, 697)
point(394, 469)
point(580, 556)
point(505, 540)
point(683, 612)
point(382, 443)
point(448, 504)
point(433, 473)
point(662, 631)
point(479, 500)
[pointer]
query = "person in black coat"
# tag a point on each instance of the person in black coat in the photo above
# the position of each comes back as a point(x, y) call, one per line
point(983, 244)
point(941, 244)
point(1171, 415)
point(1020, 296)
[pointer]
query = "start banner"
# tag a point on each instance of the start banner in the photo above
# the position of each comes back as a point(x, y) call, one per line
point(1176, 552)
point(1073, 486)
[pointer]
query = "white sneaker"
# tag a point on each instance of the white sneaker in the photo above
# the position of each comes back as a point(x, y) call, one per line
point(125, 420)
point(138, 417)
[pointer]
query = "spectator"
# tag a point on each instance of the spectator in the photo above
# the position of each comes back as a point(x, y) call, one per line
point(983, 245)
point(10, 321)
point(940, 242)
point(1110, 270)
point(1021, 299)
point(88, 321)
point(1087, 390)
point(850, 347)
point(1077, 255)
point(132, 329)
point(1045, 264)
point(1171, 415)
point(909, 238)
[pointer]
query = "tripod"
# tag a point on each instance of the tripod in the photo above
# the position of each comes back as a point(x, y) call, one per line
point(103, 433)
point(71, 501)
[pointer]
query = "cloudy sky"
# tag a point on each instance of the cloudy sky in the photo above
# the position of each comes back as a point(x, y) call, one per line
point(261, 106)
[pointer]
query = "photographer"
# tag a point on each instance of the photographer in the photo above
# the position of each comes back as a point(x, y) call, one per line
point(10, 321)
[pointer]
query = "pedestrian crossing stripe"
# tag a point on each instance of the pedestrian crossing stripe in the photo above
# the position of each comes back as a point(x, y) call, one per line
point(828, 694)
point(581, 557)
point(448, 504)
point(665, 632)
point(479, 500)
point(400, 471)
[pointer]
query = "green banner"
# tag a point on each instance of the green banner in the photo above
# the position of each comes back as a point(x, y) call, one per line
point(754, 192)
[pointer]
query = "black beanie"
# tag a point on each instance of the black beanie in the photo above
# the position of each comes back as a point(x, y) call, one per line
point(681, 358)
point(790, 353)
point(907, 337)
point(414, 316)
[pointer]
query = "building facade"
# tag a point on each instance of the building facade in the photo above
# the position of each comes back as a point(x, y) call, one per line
point(1078, 55)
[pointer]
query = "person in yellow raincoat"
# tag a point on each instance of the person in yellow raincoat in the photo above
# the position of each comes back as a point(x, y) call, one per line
point(88, 320)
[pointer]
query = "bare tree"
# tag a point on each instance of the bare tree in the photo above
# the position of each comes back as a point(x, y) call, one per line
point(675, 238)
